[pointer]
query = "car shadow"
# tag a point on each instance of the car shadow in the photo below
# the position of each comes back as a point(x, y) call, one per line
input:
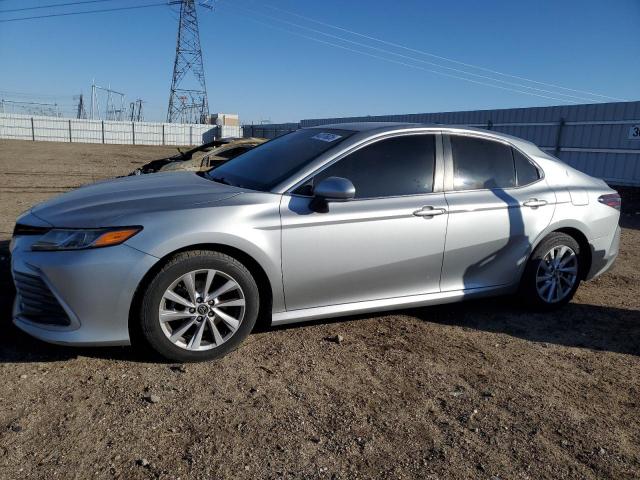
point(630, 221)
point(504, 259)
point(630, 217)
point(575, 325)
point(18, 347)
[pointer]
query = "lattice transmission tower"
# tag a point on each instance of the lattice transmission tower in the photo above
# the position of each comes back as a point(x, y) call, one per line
point(188, 97)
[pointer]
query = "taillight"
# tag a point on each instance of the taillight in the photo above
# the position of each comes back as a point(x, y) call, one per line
point(612, 200)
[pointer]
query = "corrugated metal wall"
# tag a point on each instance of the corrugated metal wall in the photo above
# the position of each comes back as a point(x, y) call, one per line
point(271, 130)
point(52, 129)
point(594, 138)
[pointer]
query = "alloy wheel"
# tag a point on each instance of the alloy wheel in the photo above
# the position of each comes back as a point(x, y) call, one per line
point(557, 274)
point(202, 309)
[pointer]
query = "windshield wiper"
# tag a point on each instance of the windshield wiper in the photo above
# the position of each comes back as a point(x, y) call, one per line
point(222, 180)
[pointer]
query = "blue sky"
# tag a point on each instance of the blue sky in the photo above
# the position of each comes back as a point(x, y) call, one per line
point(267, 73)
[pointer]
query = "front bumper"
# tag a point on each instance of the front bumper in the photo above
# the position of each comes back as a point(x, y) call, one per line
point(94, 287)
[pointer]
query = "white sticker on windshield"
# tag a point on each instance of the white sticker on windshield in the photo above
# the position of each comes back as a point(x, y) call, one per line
point(327, 137)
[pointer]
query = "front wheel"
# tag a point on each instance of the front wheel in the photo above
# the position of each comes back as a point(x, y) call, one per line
point(201, 305)
point(553, 274)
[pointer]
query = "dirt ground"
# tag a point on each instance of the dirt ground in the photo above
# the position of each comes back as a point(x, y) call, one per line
point(480, 390)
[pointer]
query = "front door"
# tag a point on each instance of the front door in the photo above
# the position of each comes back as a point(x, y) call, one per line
point(387, 242)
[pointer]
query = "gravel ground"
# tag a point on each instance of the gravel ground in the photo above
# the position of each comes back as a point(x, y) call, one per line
point(480, 390)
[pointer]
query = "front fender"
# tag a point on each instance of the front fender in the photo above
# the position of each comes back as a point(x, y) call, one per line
point(252, 229)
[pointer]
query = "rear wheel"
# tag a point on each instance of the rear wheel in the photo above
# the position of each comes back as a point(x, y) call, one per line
point(201, 305)
point(553, 274)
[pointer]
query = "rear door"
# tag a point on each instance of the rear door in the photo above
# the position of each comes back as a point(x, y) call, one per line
point(495, 212)
point(387, 242)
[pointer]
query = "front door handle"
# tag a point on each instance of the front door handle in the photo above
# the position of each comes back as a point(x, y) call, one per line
point(534, 202)
point(429, 211)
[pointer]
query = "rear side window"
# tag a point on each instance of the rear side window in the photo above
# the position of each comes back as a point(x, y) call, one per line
point(388, 168)
point(480, 164)
point(526, 172)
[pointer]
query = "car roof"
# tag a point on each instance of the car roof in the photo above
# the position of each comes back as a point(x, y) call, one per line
point(368, 126)
point(383, 127)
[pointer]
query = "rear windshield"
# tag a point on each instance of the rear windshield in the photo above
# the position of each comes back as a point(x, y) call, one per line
point(267, 165)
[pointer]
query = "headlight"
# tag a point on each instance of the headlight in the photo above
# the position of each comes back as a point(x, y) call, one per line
point(67, 239)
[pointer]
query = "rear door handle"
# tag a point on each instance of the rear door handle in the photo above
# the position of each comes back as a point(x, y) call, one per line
point(429, 211)
point(534, 202)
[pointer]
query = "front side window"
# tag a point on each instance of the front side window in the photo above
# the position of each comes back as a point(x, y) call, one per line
point(481, 164)
point(267, 165)
point(393, 167)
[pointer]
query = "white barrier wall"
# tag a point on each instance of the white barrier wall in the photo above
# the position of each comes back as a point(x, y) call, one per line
point(52, 129)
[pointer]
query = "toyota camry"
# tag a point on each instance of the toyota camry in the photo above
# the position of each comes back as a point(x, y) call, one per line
point(322, 222)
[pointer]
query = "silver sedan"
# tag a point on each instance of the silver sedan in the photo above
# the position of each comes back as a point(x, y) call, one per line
point(322, 222)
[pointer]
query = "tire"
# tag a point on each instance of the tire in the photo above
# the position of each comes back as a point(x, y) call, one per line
point(541, 273)
point(212, 327)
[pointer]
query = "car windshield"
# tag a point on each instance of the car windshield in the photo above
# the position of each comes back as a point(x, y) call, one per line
point(267, 165)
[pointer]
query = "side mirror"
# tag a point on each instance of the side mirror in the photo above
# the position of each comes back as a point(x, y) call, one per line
point(331, 189)
point(335, 189)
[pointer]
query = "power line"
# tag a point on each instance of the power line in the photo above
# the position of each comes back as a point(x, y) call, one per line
point(53, 5)
point(40, 95)
point(398, 62)
point(83, 12)
point(397, 45)
point(419, 60)
point(408, 64)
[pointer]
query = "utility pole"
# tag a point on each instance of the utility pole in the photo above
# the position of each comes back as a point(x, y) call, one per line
point(135, 111)
point(188, 96)
point(81, 113)
point(139, 114)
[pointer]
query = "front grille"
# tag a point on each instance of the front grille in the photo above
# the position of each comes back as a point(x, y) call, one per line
point(37, 303)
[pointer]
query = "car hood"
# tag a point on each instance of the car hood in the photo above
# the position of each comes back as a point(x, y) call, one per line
point(104, 203)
